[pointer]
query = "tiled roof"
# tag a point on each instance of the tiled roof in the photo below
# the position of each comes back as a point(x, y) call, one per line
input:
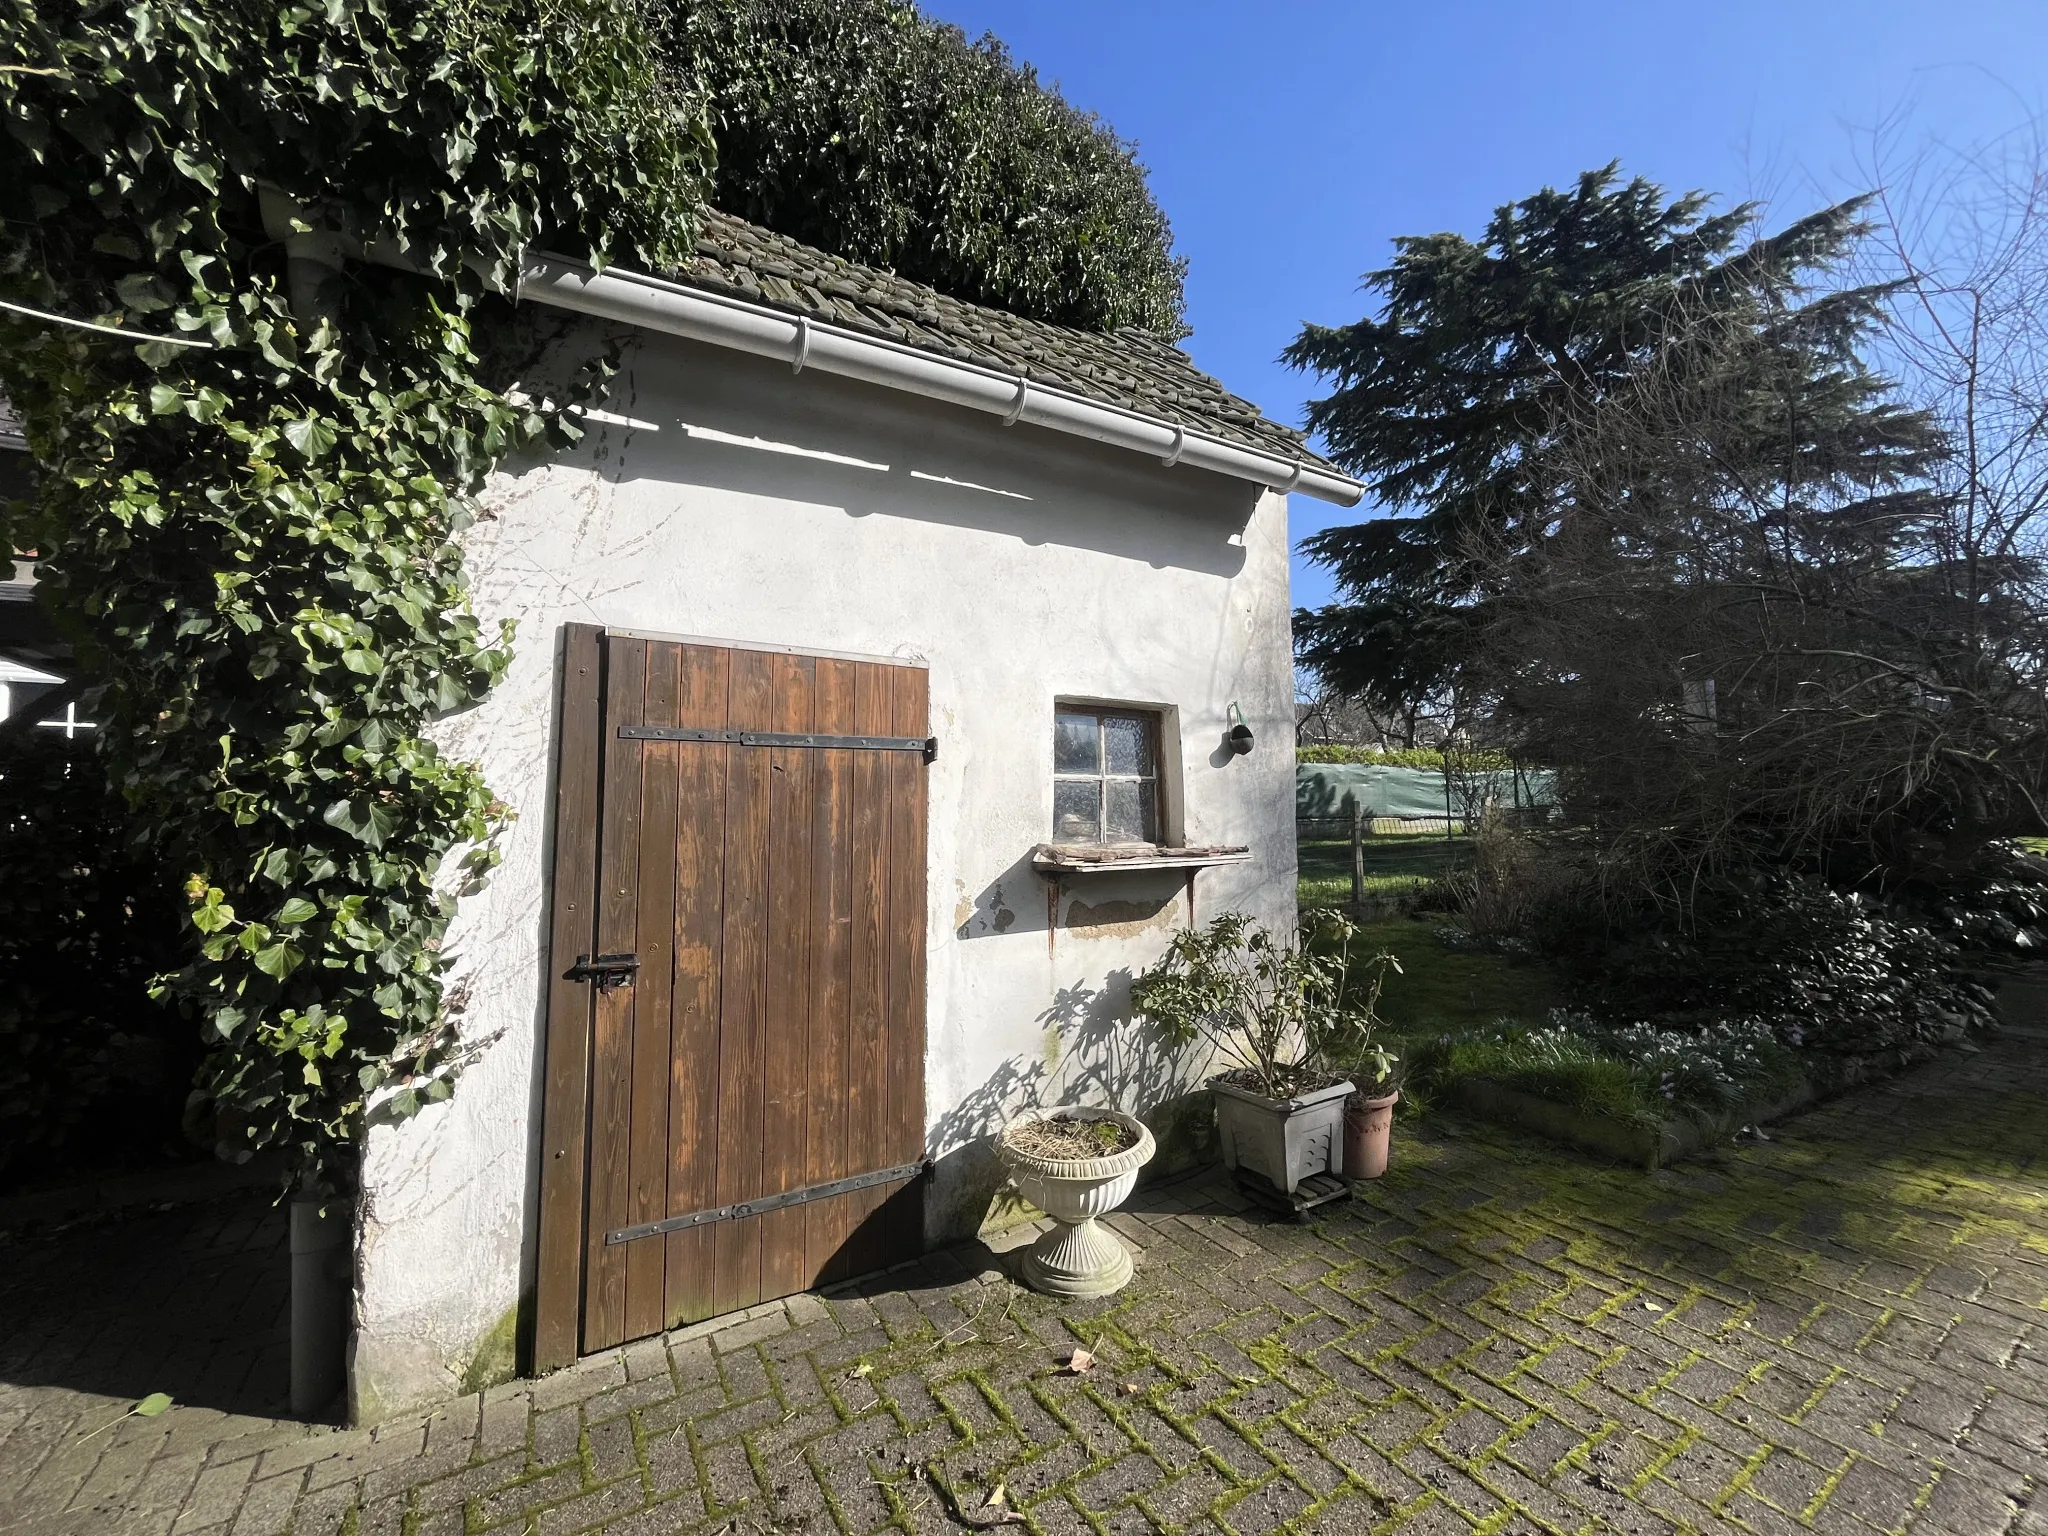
point(1129, 368)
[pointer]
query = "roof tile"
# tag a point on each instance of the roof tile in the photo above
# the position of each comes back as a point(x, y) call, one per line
point(1130, 368)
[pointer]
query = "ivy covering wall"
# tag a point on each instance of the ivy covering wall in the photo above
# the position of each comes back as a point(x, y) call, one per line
point(250, 535)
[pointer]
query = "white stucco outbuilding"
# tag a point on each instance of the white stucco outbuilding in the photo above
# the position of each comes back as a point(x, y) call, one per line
point(876, 655)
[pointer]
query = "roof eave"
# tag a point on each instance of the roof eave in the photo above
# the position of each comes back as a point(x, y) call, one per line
point(679, 309)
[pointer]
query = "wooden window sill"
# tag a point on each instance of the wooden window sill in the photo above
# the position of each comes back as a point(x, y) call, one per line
point(1127, 858)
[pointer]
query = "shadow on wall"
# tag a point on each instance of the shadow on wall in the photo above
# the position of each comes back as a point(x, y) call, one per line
point(1096, 1052)
point(1103, 906)
point(703, 417)
point(1016, 901)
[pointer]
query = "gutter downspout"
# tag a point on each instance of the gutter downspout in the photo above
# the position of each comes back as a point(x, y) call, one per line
point(322, 1225)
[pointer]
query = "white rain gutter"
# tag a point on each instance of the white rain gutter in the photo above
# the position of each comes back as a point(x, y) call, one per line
point(677, 310)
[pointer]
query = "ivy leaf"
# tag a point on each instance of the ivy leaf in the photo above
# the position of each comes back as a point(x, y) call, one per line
point(373, 823)
point(213, 914)
point(311, 435)
point(143, 292)
point(297, 910)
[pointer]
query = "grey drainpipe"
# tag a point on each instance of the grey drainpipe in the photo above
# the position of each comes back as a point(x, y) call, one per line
point(322, 1226)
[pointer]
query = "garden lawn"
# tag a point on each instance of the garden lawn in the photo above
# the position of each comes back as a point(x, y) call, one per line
point(1394, 863)
point(1440, 989)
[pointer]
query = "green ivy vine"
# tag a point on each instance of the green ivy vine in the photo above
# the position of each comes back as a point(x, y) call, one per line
point(250, 527)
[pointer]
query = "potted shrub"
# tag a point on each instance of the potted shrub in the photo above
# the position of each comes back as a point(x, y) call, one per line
point(1353, 1050)
point(1288, 1021)
point(1369, 1119)
point(1075, 1165)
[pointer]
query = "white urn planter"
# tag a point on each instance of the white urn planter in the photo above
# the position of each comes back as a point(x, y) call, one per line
point(1078, 1257)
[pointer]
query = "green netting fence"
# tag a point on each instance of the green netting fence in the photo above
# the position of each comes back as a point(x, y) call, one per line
point(1392, 799)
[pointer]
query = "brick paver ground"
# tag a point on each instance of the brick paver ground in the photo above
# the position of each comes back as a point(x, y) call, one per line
point(1838, 1330)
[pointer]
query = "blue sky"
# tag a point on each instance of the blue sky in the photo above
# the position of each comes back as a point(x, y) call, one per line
point(1290, 141)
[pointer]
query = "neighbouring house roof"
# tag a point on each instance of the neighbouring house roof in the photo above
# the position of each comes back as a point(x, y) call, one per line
point(1131, 369)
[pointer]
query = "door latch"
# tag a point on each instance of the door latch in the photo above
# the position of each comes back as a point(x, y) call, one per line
point(603, 971)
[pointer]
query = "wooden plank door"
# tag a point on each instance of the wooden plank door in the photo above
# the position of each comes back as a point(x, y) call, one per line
point(749, 828)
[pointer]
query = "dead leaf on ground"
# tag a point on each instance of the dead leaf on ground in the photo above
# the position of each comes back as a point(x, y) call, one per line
point(995, 1512)
point(1132, 1389)
point(1080, 1362)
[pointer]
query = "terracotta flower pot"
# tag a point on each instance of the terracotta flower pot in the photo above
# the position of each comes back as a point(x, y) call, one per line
point(1078, 1257)
point(1368, 1133)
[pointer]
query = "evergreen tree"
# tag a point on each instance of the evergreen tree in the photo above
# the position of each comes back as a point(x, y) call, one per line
point(1448, 401)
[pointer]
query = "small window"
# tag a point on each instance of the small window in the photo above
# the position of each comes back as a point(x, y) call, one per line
point(1105, 786)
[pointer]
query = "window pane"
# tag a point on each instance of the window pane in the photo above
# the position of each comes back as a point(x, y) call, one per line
point(1076, 811)
point(1129, 739)
point(1076, 744)
point(1131, 817)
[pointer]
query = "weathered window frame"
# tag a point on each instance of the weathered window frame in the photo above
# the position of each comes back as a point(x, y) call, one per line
point(1152, 721)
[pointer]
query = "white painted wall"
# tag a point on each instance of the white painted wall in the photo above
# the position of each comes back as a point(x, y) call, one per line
point(1072, 571)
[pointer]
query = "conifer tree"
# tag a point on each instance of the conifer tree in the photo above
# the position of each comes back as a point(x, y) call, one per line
point(1448, 401)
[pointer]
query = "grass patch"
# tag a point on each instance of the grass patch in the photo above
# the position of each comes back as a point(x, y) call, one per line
point(1551, 1064)
point(1639, 1075)
point(1394, 863)
point(1453, 1014)
point(1440, 989)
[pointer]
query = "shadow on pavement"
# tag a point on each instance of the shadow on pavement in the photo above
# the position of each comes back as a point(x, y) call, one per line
point(192, 1300)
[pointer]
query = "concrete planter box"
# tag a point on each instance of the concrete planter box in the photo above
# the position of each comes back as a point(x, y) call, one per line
point(1282, 1140)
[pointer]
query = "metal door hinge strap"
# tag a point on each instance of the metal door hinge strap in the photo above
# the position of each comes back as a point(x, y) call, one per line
point(928, 745)
point(779, 1202)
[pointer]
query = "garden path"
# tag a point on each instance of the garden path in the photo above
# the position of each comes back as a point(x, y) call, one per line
point(1843, 1329)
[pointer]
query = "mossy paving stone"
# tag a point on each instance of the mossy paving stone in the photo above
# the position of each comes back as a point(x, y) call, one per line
point(1841, 1329)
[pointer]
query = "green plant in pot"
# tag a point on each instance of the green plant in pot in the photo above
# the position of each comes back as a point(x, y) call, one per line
point(1351, 1047)
point(1288, 1020)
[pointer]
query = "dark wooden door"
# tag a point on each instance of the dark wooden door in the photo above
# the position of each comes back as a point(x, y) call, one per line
point(749, 826)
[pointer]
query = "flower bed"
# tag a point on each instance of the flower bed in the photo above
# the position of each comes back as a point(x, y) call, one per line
point(1638, 1093)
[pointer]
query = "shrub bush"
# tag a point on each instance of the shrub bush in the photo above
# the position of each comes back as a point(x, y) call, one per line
point(1831, 971)
point(860, 127)
point(2005, 912)
point(91, 1069)
point(1513, 879)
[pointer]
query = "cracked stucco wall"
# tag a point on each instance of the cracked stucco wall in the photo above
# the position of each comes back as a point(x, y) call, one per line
point(1020, 566)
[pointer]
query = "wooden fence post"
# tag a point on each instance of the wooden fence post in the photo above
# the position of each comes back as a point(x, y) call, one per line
point(1357, 854)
